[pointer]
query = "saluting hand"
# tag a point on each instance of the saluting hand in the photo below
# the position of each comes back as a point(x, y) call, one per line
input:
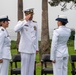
point(1, 61)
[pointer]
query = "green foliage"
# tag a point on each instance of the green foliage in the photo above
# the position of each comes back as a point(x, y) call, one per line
point(13, 44)
point(72, 35)
point(57, 2)
point(63, 4)
point(71, 43)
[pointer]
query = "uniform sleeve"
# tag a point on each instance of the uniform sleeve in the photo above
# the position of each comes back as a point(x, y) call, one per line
point(19, 25)
point(37, 39)
point(1, 43)
point(54, 45)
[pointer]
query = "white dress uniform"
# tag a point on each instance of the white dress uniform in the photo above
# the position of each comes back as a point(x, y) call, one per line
point(59, 50)
point(5, 53)
point(28, 45)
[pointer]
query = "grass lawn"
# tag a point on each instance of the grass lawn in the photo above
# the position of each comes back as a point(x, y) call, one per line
point(38, 67)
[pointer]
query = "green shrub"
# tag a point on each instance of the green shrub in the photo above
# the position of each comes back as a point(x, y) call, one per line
point(13, 44)
point(71, 43)
point(72, 35)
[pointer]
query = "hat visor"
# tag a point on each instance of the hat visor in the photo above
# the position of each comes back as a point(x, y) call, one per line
point(8, 20)
point(62, 20)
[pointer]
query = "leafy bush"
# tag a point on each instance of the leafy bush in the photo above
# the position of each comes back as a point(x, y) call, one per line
point(13, 44)
point(71, 43)
point(72, 35)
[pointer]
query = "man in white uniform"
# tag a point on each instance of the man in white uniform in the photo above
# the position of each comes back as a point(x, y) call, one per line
point(59, 49)
point(28, 45)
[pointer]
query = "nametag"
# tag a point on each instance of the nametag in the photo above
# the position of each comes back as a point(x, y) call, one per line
point(26, 25)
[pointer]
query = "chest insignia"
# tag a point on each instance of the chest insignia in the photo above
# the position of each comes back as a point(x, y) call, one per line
point(35, 28)
point(26, 25)
point(7, 35)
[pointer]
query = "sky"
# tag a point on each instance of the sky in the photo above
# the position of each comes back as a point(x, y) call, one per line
point(9, 8)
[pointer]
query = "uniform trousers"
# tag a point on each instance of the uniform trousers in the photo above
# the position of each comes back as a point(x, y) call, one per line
point(60, 67)
point(27, 63)
point(4, 67)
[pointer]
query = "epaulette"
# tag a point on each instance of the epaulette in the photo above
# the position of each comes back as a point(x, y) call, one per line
point(2, 29)
point(35, 21)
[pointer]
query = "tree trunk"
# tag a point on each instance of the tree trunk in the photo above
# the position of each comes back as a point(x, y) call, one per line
point(45, 45)
point(20, 16)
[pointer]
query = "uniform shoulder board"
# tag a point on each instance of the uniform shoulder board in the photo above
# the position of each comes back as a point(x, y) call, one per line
point(35, 21)
point(2, 29)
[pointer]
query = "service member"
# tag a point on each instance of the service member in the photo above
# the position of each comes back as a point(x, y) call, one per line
point(5, 42)
point(59, 50)
point(28, 45)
